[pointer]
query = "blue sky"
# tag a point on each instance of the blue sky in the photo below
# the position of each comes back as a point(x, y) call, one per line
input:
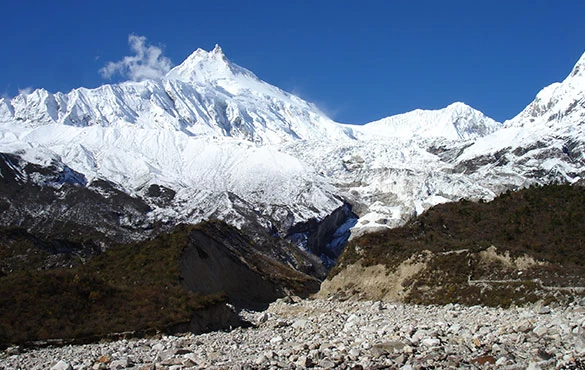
point(357, 60)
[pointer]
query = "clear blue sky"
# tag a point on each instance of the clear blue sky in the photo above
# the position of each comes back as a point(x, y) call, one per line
point(357, 60)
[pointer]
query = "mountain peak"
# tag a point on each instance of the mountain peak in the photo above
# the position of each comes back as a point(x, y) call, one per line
point(202, 53)
point(458, 121)
point(458, 107)
point(206, 66)
point(217, 50)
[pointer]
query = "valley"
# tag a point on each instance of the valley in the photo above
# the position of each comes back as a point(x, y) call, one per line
point(176, 204)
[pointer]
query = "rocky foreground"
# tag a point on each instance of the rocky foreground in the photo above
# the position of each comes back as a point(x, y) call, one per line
point(296, 333)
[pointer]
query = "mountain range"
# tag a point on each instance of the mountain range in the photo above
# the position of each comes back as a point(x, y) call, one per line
point(210, 140)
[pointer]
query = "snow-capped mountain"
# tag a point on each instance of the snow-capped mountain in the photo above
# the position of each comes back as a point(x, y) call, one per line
point(543, 143)
point(404, 164)
point(205, 95)
point(197, 131)
point(227, 145)
point(458, 121)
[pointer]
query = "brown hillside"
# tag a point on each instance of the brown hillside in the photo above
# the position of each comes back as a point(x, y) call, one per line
point(177, 281)
point(515, 249)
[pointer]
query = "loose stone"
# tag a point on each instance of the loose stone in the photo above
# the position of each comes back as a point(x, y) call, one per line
point(345, 335)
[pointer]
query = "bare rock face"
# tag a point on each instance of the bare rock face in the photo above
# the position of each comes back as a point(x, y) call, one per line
point(56, 202)
point(219, 259)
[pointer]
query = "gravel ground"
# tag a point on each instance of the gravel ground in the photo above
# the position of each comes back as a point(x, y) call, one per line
point(296, 333)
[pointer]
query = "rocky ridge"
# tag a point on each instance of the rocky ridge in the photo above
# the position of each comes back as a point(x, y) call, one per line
point(320, 334)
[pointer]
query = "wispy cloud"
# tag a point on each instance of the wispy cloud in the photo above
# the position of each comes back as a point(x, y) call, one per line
point(25, 91)
point(324, 107)
point(147, 62)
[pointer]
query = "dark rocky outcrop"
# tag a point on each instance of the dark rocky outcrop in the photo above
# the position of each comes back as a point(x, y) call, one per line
point(325, 238)
point(218, 258)
point(56, 202)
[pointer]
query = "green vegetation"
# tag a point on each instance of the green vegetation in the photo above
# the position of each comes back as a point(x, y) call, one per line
point(545, 223)
point(134, 287)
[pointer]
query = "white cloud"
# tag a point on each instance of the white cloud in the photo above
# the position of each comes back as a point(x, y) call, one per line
point(25, 91)
point(146, 63)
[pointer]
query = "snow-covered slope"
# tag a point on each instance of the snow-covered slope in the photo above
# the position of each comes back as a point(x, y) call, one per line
point(231, 146)
point(209, 176)
point(559, 103)
point(205, 95)
point(457, 121)
point(543, 143)
point(402, 165)
point(206, 131)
